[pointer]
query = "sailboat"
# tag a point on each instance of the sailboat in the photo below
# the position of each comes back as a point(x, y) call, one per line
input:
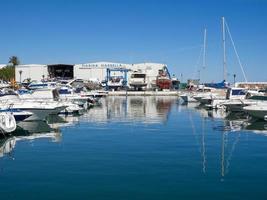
point(232, 92)
point(190, 96)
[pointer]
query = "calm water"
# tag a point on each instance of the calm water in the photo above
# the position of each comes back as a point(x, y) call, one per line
point(137, 148)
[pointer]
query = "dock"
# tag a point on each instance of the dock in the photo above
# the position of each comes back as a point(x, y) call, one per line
point(143, 93)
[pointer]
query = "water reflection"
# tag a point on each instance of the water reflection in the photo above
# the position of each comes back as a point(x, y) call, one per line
point(217, 134)
point(142, 109)
point(231, 126)
point(230, 121)
point(7, 144)
point(34, 130)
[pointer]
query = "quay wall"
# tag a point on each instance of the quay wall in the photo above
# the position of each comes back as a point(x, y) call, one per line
point(143, 93)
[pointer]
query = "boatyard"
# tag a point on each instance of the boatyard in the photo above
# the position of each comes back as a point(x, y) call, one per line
point(133, 100)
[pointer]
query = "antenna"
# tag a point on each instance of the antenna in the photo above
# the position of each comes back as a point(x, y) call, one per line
point(224, 50)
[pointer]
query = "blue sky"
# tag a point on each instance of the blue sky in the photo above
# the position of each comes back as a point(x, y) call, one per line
point(131, 31)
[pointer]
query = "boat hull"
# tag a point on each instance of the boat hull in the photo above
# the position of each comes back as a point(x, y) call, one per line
point(39, 114)
point(188, 98)
point(257, 112)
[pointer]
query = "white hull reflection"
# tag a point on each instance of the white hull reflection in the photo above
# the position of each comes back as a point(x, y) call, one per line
point(7, 145)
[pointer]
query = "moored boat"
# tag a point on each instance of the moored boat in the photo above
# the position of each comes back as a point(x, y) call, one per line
point(138, 80)
point(257, 111)
point(7, 122)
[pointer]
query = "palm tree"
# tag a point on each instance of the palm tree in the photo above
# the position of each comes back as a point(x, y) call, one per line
point(14, 60)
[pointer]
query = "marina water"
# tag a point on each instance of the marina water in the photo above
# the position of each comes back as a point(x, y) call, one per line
point(137, 148)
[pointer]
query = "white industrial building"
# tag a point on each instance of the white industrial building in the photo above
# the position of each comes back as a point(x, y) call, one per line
point(31, 71)
point(90, 71)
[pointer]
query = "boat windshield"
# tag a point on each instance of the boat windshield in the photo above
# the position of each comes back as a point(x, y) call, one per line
point(138, 76)
point(238, 92)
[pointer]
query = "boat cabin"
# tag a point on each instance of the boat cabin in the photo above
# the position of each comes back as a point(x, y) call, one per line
point(45, 93)
point(236, 93)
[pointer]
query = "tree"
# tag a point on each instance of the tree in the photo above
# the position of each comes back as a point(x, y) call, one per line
point(7, 73)
point(14, 60)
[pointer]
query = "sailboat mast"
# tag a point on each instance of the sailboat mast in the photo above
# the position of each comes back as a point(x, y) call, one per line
point(204, 48)
point(224, 50)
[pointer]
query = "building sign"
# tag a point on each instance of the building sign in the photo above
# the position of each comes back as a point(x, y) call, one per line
point(102, 65)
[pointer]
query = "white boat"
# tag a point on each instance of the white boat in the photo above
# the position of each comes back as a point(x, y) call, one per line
point(138, 80)
point(4, 84)
point(207, 97)
point(257, 111)
point(188, 97)
point(39, 85)
point(238, 104)
point(18, 114)
point(39, 107)
point(82, 99)
point(232, 95)
point(7, 94)
point(39, 110)
point(71, 109)
point(66, 103)
point(7, 122)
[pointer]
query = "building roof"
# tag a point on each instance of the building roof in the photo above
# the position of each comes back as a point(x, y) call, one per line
point(30, 65)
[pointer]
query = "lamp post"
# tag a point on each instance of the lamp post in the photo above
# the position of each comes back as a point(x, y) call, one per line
point(234, 78)
point(20, 72)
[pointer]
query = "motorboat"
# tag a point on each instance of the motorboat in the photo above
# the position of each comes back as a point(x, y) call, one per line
point(188, 97)
point(138, 80)
point(198, 94)
point(163, 80)
point(71, 109)
point(209, 94)
point(258, 111)
point(232, 94)
point(7, 94)
point(239, 104)
point(39, 110)
point(7, 122)
point(116, 82)
point(39, 85)
point(4, 84)
point(68, 103)
point(34, 103)
point(82, 99)
point(19, 115)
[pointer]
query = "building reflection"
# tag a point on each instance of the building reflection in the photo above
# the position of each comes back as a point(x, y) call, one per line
point(139, 108)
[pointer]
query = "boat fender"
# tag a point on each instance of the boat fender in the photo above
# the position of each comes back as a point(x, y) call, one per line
point(265, 117)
